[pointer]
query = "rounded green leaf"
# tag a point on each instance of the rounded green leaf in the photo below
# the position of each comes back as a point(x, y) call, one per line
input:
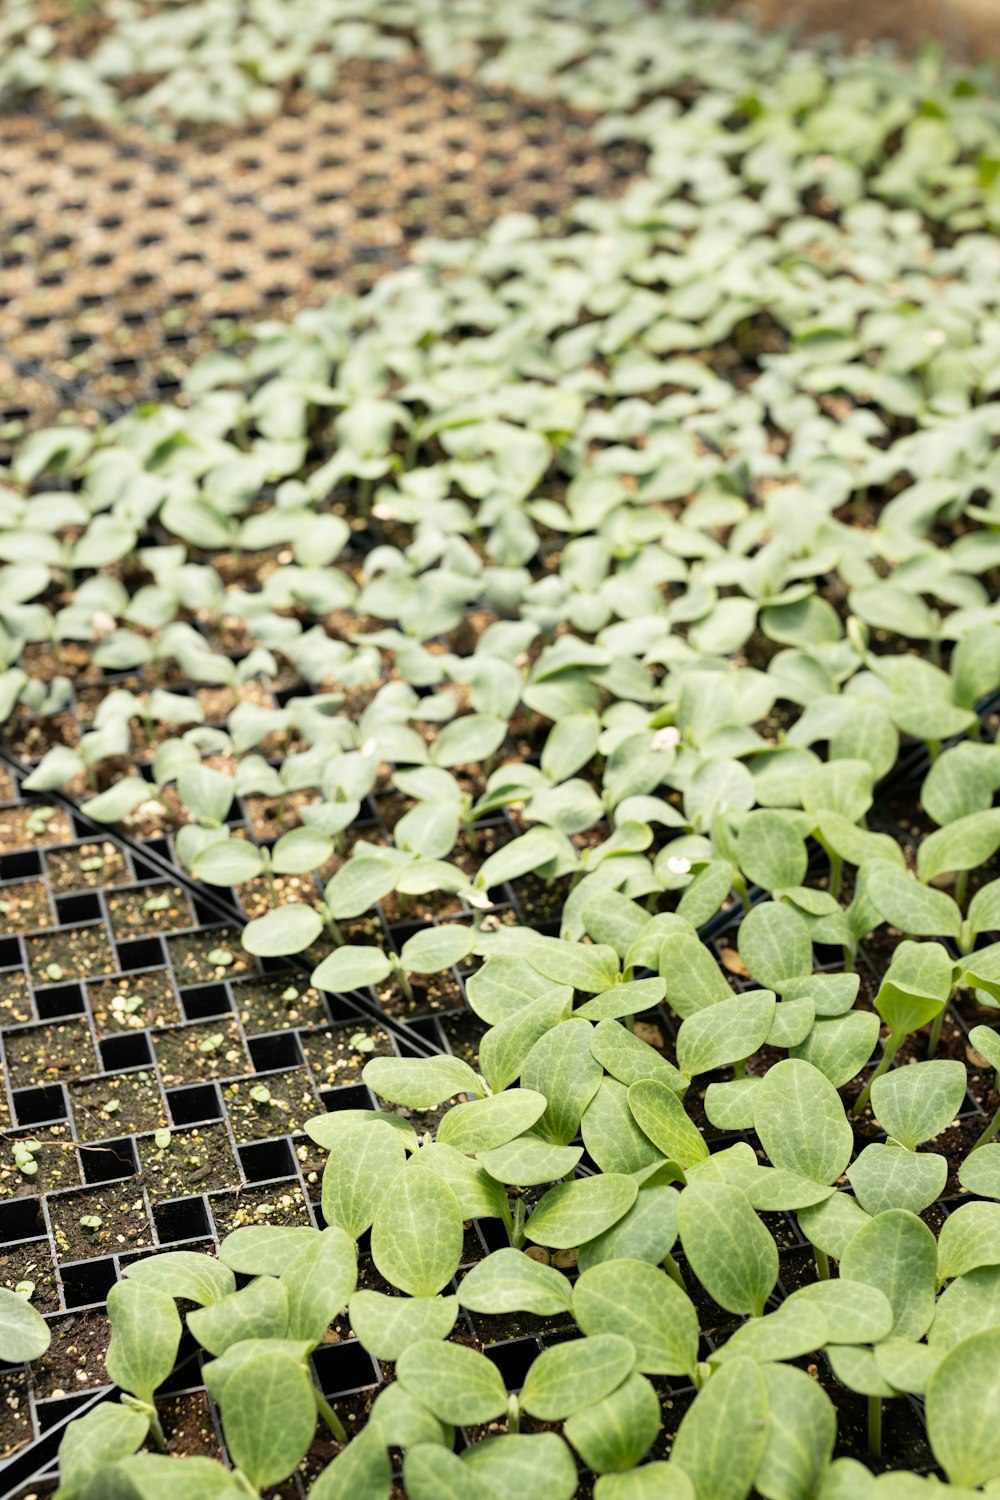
point(437, 948)
point(509, 1281)
point(319, 1281)
point(431, 1472)
point(145, 1335)
point(364, 1163)
point(258, 1311)
point(652, 1481)
point(567, 1377)
point(287, 929)
point(268, 1418)
point(774, 944)
point(456, 1383)
point(617, 1432)
point(640, 1302)
point(184, 1273)
point(801, 1123)
point(361, 1471)
point(24, 1333)
point(574, 1212)
point(770, 850)
point(723, 1436)
point(388, 1325)
point(353, 967)
point(647, 1232)
point(485, 1124)
point(855, 1312)
point(730, 1251)
point(417, 1232)
point(963, 1398)
point(801, 1435)
point(228, 862)
point(421, 1083)
point(896, 1253)
point(661, 1116)
point(535, 1466)
point(262, 1249)
point(980, 1172)
point(527, 1161)
point(300, 850)
point(724, 1033)
point(889, 1176)
point(914, 1104)
point(563, 1069)
point(969, 1238)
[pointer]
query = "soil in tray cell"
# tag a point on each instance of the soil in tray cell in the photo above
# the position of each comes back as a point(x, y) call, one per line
point(86, 867)
point(194, 1053)
point(74, 1361)
point(188, 1426)
point(73, 953)
point(15, 999)
point(432, 993)
point(32, 827)
point(276, 1004)
point(200, 957)
point(15, 1411)
point(116, 1105)
point(193, 1161)
point(24, 906)
point(338, 1054)
point(275, 1203)
point(56, 1159)
point(290, 1102)
point(148, 909)
point(99, 1221)
point(133, 1002)
point(47, 1054)
point(23, 1263)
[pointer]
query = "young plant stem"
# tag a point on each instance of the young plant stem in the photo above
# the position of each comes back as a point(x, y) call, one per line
point(334, 930)
point(155, 1428)
point(836, 874)
point(329, 1416)
point(961, 886)
point(516, 1231)
point(889, 1050)
point(740, 887)
point(875, 1426)
point(513, 1415)
point(989, 1132)
point(404, 983)
point(674, 1271)
point(935, 1035)
point(365, 491)
point(822, 1264)
point(272, 889)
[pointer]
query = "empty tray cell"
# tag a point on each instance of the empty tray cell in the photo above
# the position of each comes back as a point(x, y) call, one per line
point(147, 909)
point(137, 1000)
point(10, 953)
point(140, 953)
point(183, 1219)
point(38, 1105)
point(40, 1054)
point(214, 954)
point(31, 1262)
point(197, 1159)
point(191, 1105)
point(21, 1219)
point(20, 866)
point(513, 1359)
point(97, 1221)
point(110, 1161)
point(273, 1203)
point(270, 1104)
point(88, 1282)
point(120, 1052)
point(205, 1001)
point(274, 1004)
point(74, 953)
point(343, 1367)
point(267, 1160)
point(337, 1054)
point(86, 866)
point(211, 1049)
point(24, 906)
point(61, 1000)
point(83, 907)
point(39, 1160)
point(270, 1052)
point(118, 1104)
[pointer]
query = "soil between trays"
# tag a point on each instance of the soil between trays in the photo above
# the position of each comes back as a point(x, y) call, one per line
point(275, 1203)
point(15, 999)
point(190, 961)
point(148, 909)
point(45, 1054)
point(57, 1160)
point(74, 1361)
point(200, 1051)
point(15, 832)
point(337, 1055)
point(31, 1263)
point(24, 907)
point(266, 1005)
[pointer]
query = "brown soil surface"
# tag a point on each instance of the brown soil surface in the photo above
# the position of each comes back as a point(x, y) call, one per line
point(967, 29)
